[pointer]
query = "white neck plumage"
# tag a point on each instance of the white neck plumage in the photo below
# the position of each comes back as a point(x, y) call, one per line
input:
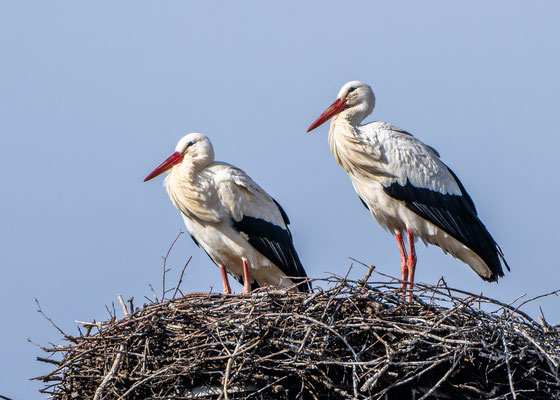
point(188, 188)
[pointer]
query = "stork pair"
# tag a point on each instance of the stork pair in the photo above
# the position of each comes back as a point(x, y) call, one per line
point(399, 179)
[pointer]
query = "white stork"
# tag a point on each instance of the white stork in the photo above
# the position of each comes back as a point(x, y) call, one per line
point(406, 187)
point(237, 223)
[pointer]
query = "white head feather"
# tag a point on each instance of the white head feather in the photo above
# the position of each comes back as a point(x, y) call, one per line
point(197, 149)
point(359, 98)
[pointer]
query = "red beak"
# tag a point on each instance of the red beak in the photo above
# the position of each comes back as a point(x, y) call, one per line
point(336, 107)
point(173, 159)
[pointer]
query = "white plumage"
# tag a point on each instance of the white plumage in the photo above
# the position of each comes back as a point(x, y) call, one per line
point(233, 219)
point(406, 186)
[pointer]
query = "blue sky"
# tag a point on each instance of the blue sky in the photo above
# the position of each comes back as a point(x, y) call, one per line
point(94, 95)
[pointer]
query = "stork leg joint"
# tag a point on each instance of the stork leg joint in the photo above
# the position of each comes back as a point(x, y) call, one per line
point(404, 257)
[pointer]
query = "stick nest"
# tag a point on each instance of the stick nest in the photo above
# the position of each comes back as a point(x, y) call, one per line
point(349, 339)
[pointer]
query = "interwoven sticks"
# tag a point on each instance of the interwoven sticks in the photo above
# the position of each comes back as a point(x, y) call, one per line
point(351, 340)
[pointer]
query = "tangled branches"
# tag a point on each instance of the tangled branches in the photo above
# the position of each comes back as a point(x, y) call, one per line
point(349, 340)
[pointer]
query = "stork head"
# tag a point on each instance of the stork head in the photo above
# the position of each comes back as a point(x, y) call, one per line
point(355, 98)
point(194, 149)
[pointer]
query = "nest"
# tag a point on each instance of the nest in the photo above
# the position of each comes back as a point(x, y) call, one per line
point(347, 339)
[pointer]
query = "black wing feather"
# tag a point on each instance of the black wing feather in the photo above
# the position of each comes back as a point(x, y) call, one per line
point(456, 215)
point(194, 240)
point(463, 190)
point(282, 212)
point(275, 243)
point(364, 203)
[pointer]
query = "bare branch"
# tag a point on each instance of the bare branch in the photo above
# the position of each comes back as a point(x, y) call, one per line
point(352, 339)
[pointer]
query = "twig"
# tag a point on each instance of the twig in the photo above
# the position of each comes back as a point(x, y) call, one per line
point(48, 360)
point(131, 304)
point(368, 274)
point(512, 389)
point(152, 376)
point(554, 361)
point(332, 387)
point(40, 310)
point(110, 375)
point(123, 305)
point(554, 292)
point(228, 369)
point(165, 265)
point(346, 339)
point(153, 293)
point(443, 378)
point(181, 277)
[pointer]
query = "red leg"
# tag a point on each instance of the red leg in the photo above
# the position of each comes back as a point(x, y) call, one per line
point(227, 289)
point(246, 283)
point(404, 268)
point(411, 263)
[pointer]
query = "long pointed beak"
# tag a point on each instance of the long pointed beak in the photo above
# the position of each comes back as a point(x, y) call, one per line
point(173, 159)
point(336, 107)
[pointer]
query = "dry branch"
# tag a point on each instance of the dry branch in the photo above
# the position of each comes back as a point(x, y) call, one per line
point(349, 339)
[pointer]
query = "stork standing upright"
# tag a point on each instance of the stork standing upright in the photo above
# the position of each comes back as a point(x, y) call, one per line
point(241, 228)
point(406, 187)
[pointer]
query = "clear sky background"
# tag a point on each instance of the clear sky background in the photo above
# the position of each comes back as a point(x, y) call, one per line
point(94, 95)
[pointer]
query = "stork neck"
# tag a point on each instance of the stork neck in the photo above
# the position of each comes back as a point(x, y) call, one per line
point(191, 190)
point(351, 117)
point(343, 122)
point(185, 174)
point(190, 173)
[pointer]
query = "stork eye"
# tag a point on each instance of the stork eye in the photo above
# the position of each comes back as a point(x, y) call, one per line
point(351, 89)
point(187, 146)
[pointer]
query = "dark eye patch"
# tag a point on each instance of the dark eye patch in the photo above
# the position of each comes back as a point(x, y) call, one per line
point(351, 89)
point(187, 146)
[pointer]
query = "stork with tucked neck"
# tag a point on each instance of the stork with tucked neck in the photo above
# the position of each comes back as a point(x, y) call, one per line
point(407, 188)
point(243, 230)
